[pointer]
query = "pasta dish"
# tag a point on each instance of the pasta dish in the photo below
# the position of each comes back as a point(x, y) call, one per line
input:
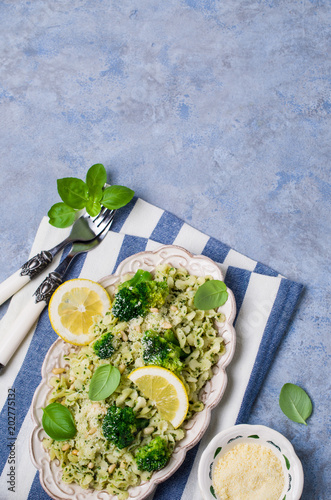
point(90, 458)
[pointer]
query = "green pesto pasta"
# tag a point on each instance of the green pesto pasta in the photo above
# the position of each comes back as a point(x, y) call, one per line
point(89, 459)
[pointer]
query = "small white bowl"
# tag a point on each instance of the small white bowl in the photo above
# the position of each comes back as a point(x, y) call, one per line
point(258, 434)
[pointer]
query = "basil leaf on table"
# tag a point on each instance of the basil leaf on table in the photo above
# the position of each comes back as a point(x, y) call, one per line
point(210, 295)
point(58, 422)
point(295, 403)
point(116, 197)
point(104, 382)
point(60, 215)
point(96, 177)
point(73, 192)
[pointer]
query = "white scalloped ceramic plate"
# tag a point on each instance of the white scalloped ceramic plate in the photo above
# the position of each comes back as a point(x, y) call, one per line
point(212, 392)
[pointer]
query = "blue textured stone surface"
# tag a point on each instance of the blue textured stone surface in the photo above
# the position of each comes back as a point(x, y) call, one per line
point(217, 111)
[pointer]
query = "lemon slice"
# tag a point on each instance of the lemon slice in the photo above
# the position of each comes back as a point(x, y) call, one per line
point(165, 389)
point(73, 308)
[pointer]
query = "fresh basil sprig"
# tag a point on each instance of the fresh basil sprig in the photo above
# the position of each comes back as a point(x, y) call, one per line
point(58, 422)
point(104, 382)
point(210, 295)
point(77, 194)
point(295, 403)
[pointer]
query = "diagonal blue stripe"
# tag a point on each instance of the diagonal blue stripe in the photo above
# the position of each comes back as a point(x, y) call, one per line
point(167, 229)
point(278, 323)
point(237, 280)
point(36, 491)
point(216, 250)
point(122, 214)
point(263, 269)
point(173, 488)
point(130, 246)
point(29, 376)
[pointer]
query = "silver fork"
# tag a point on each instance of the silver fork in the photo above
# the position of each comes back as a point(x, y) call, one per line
point(84, 229)
point(31, 312)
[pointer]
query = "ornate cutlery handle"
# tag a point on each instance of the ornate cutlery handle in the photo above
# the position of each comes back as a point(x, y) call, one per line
point(28, 317)
point(48, 287)
point(32, 268)
point(36, 264)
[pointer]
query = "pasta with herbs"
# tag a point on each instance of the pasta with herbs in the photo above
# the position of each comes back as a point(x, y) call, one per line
point(89, 459)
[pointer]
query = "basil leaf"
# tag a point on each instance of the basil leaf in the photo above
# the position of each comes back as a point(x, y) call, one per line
point(60, 215)
point(96, 177)
point(139, 277)
point(295, 403)
point(116, 197)
point(73, 192)
point(104, 382)
point(93, 207)
point(210, 295)
point(58, 422)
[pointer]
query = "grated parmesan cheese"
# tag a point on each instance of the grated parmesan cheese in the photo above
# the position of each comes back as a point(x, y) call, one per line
point(248, 472)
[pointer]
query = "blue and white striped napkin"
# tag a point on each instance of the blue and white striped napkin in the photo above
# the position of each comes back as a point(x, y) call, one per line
point(265, 302)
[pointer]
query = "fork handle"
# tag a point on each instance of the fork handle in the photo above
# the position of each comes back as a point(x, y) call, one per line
point(28, 317)
point(32, 268)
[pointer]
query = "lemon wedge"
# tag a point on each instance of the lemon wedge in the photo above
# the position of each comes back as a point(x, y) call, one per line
point(73, 308)
point(165, 389)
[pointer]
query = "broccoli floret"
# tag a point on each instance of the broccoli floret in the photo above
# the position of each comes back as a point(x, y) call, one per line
point(154, 455)
point(134, 301)
point(171, 337)
point(120, 425)
point(127, 305)
point(155, 293)
point(158, 351)
point(103, 347)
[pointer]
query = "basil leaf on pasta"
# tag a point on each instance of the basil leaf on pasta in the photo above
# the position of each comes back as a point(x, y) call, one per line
point(58, 422)
point(104, 382)
point(210, 295)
